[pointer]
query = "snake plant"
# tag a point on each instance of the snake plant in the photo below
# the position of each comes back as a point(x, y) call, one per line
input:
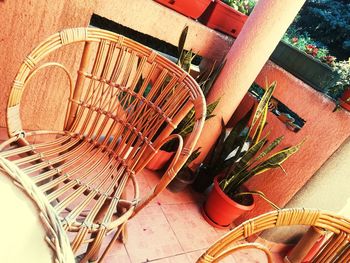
point(205, 80)
point(244, 153)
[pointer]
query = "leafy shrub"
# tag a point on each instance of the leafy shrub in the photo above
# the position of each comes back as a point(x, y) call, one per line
point(328, 21)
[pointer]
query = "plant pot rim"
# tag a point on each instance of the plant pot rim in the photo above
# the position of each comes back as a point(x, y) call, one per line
point(229, 200)
point(227, 6)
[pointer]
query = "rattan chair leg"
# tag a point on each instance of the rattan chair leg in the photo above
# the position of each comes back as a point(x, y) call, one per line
point(116, 235)
point(93, 251)
point(123, 237)
point(124, 234)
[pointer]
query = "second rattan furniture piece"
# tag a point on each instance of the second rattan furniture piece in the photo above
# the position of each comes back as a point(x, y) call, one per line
point(32, 231)
point(336, 249)
point(124, 105)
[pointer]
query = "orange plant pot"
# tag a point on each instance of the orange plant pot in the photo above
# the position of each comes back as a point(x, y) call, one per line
point(191, 8)
point(159, 160)
point(343, 100)
point(220, 210)
point(226, 19)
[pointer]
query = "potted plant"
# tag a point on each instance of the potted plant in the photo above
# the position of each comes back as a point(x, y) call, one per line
point(342, 87)
point(185, 127)
point(192, 8)
point(185, 176)
point(205, 81)
point(243, 154)
point(300, 56)
point(229, 16)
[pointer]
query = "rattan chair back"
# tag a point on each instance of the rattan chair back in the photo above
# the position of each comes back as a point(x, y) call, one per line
point(124, 104)
point(123, 92)
point(336, 249)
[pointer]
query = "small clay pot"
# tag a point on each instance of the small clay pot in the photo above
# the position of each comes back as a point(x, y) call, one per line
point(184, 178)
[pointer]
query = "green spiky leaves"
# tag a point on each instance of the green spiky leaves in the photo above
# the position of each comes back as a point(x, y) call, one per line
point(239, 164)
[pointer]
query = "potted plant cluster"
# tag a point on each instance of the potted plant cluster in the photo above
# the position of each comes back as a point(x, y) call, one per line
point(237, 157)
point(341, 91)
point(191, 8)
point(229, 16)
point(205, 80)
point(300, 55)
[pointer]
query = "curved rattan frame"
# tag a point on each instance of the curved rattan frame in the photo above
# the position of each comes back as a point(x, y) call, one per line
point(170, 111)
point(56, 236)
point(339, 225)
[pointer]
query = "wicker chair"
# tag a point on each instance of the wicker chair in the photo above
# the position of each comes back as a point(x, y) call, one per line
point(336, 249)
point(56, 239)
point(113, 126)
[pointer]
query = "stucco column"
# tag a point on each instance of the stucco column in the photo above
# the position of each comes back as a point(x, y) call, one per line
point(253, 47)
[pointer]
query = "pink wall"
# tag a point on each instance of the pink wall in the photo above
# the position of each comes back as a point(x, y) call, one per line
point(324, 130)
point(26, 23)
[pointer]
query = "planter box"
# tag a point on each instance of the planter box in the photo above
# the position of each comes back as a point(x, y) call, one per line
point(191, 8)
point(304, 66)
point(226, 19)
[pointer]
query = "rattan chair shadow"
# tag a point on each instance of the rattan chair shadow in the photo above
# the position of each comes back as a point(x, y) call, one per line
point(335, 249)
point(125, 103)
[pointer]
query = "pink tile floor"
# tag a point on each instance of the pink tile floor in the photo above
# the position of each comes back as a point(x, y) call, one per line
point(169, 230)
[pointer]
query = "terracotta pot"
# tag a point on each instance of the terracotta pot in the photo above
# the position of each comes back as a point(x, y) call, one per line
point(191, 8)
point(343, 100)
point(220, 210)
point(160, 160)
point(226, 19)
point(183, 179)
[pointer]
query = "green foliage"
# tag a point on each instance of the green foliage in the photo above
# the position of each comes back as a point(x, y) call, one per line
point(328, 21)
point(185, 170)
point(207, 78)
point(243, 6)
point(303, 42)
point(247, 163)
point(258, 193)
point(343, 70)
point(192, 157)
point(205, 81)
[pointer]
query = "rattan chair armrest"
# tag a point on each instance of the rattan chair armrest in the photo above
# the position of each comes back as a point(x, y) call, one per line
point(167, 177)
point(207, 258)
point(14, 119)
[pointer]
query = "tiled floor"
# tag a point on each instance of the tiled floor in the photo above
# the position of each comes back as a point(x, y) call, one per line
point(172, 230)
point(169, 230)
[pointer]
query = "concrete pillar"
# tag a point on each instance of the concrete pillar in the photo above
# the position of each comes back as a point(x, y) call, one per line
point(253, 47)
